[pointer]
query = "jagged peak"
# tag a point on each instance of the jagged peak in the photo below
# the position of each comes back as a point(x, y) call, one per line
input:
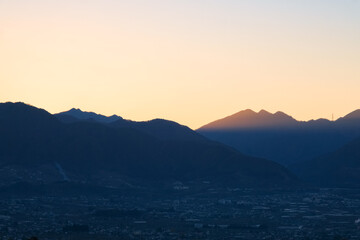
point(75, 110)
point(246, 111)
point(264, 112)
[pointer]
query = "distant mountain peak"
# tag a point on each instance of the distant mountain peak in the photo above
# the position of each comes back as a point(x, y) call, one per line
point(245, 112)
point(281, 113)
point(75, 110)
point(263, 112)
point(250, 119)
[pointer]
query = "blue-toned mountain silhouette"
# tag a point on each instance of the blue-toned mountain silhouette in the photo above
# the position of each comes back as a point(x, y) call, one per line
point(340, 168)
point(281, 138)
point(36, 146)
point(159, 128)
point(76, 114)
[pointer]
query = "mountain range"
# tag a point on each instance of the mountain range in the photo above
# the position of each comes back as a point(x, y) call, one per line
point(79, 147)
point(84, 147)
point(159, 128)
point(248, 119)
point(280, 137)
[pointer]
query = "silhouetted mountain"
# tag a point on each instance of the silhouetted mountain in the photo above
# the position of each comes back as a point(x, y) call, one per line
point(74, 114)
point(35, 146)
point(250, 119)
point(353, 115)
point(162, 129)
point(159, 128)
point(340, 168)
point(281, 138)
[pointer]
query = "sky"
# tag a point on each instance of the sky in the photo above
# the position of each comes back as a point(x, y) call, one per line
point(190, 61)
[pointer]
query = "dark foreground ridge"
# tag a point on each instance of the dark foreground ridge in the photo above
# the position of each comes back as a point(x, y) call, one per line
point(340, 168)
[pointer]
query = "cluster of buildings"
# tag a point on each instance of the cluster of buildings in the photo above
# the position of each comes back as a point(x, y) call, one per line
point(216, 213)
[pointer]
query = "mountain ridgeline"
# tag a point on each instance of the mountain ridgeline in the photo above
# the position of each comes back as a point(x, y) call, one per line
point(84, 147)
point(75, 114)
point(281, 138)
point(159, 128)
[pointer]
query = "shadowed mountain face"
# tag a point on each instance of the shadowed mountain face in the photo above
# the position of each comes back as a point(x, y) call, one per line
point(281, 138)
point(35, 146)
point(340, 168)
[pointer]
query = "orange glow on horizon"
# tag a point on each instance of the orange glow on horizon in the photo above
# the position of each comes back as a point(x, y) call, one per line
point(188, 62)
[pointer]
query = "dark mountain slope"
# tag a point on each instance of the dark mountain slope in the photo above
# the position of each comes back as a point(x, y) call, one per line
point(163, 130)
point(27, 134)
point(97, 153)
point(159, 128)
point(340, 168)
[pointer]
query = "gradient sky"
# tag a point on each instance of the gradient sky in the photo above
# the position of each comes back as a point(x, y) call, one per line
point(191, 61)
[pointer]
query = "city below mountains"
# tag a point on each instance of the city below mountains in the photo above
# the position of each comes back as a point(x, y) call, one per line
point(245, 150)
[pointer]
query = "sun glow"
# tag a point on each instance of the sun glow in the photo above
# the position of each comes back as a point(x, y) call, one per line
point(187, 61)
